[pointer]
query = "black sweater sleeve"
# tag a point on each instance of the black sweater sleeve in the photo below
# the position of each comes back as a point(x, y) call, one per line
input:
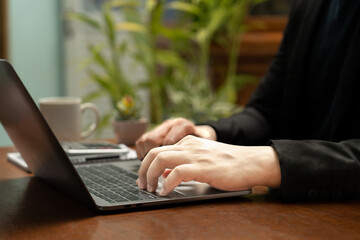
point(310, 169)
point(319, 170)
point(246, 128)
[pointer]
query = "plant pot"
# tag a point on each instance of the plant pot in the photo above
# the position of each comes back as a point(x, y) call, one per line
point(128, 131)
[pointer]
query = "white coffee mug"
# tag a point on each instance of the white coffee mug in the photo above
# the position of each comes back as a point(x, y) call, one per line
point(64, 116)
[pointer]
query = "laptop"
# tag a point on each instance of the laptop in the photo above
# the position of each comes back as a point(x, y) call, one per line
point(102, 186)
point(81, 152)
point(76, 148)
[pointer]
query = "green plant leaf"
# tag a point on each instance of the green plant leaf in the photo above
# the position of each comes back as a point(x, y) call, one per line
point(169, 58)
point(150, 5)
point(109, 23)
point(94, 95)
point(131, 27)
point(244, 79)
point(104, 122)
point(98, 57)
point(186, 7)
point(104, 82)
point(122, 3)
point(85, 19)
point(218, 18)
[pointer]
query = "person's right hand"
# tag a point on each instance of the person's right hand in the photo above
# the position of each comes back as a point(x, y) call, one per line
point(223, 166)
point(170, 132)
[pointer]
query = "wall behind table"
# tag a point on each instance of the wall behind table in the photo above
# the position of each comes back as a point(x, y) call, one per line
point(35, 48)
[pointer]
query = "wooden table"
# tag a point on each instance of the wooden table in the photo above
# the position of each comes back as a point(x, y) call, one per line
point(30, 209)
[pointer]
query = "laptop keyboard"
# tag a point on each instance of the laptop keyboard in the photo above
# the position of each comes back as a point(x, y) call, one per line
point(112, 183)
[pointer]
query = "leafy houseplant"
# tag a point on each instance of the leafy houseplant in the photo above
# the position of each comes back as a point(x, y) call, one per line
point(208, 22)
point(104, 68)
point(175, 55)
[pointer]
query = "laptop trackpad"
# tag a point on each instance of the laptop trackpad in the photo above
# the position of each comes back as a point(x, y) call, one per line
point(194, 188)
point(191, 188)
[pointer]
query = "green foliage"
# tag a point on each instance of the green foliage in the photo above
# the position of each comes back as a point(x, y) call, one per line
point(203, 23)
point(175, 56)
point(128, 108)
point(103, 66)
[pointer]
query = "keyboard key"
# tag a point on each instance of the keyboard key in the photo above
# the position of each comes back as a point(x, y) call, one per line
point(112, 183)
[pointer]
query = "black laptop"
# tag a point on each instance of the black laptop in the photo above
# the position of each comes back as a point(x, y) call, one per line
point(102, 185)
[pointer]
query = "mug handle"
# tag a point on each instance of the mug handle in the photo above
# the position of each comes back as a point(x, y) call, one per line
point(93, 126)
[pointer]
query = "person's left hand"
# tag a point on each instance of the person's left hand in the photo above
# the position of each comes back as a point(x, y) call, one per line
point(223, 166)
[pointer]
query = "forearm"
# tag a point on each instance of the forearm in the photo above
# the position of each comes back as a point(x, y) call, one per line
point(205, 131)
point(266, 166)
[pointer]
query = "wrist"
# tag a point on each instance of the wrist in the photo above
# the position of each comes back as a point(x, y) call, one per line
point(206, 132)
point(272, 170)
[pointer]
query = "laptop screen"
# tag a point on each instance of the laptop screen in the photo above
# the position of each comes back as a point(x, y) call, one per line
point(33, 137)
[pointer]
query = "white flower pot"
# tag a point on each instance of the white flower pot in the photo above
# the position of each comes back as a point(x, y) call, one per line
point(128, 131)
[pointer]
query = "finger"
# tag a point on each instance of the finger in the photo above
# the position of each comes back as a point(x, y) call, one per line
point(162, 129)
point(149, 158)
point(179, 174)
point(151, 144)
point(140, 149)
point(179, 128)
point(166, 173)
point(176, 133)
point(147, 142)
point(163, 160)
point(153, 139)
point(144, 167)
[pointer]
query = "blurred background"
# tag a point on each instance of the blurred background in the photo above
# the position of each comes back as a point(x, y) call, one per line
point(49, 52)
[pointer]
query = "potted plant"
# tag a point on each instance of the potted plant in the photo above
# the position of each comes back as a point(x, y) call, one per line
point(128, 125)
point(104, 67)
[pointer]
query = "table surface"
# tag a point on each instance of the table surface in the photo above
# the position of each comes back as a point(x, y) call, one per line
point(30, 209)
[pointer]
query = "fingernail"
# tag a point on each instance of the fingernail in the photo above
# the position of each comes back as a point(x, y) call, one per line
point(162, 192)
point(140, 185)
point(150, 188)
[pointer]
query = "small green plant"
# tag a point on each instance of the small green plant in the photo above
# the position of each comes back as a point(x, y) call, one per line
point(127, 108)
point(104, 66)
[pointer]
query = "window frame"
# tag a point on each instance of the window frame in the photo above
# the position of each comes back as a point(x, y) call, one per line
point(3, 29)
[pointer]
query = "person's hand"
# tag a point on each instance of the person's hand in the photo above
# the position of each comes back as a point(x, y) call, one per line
point(223, 166)
point(170, 132)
